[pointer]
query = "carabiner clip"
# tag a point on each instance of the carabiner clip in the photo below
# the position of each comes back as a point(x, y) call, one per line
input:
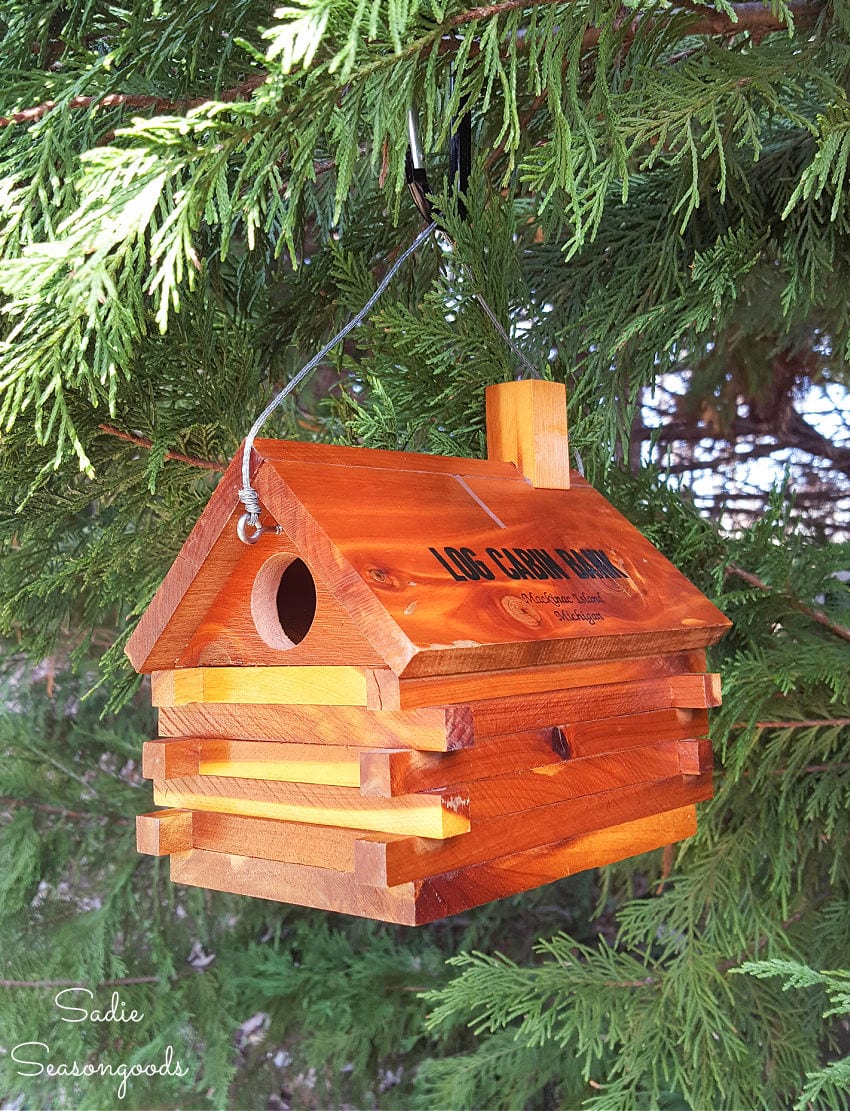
point(460, 161)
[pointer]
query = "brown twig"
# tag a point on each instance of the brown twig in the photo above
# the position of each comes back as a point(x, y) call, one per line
point(147, 444)
point(751, 15)
point(489, 11)
point(128, 100)
point(816, 615)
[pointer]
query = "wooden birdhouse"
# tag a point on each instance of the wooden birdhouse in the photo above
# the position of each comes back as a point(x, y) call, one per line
point(443, 682)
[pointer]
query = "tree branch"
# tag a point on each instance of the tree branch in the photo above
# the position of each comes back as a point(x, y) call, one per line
point(797, 724)
point(751, 16)
point(816, 615)
point(144, 442)
point(129, 100)
point(791, 432)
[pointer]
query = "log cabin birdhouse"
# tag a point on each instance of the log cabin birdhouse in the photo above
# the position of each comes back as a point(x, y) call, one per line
point(442, 682)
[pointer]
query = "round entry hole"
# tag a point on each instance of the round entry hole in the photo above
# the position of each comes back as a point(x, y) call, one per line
point(283, 601)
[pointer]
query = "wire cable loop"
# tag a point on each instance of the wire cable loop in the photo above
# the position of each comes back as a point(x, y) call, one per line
point(247, 494)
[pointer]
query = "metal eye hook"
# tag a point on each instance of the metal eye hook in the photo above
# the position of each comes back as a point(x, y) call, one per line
point(246, 522)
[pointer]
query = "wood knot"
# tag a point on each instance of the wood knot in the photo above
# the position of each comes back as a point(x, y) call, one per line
point(517, 609)
point(379, 575)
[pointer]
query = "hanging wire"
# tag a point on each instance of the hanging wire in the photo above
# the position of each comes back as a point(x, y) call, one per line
point(250, 520)
point(249, 527)
point(497, 324)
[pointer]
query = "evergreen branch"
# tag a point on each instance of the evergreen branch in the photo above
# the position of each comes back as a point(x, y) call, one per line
point(751, 16)
point(143, 441)
point(128, 100)
point(809, 769)
point(816, 615)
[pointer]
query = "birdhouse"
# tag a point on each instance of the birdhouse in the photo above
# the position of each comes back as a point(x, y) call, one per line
point(441, 682)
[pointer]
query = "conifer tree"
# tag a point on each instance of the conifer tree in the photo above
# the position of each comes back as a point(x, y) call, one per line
point(195, 198)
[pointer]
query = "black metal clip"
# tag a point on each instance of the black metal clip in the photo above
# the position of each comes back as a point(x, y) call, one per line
point(460, 161)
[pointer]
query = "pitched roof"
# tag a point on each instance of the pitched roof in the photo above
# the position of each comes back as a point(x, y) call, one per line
point(448, 565)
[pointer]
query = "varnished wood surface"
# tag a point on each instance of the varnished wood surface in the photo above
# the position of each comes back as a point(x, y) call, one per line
point(652, 685)
point(457, 891)
point(228, 633)
point(696, 757)
point(308, 686)
point(163, 832)
point(436, 729)
point(570, 779)
point(527, 426)
point(424, 901)
point(334, 765)
point(434, 815)
point(440, 623)
point(336, 455)
point(203, 565)
point(379, 862)
point(388, 772)
point(388, 589)
point(296, 842)
point(294, 883)
point(492, 717)
point(170, 758)
point(446, 690)
point(606, 734)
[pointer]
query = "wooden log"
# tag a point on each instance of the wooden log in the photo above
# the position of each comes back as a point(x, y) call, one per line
point(534, 786)
point(428, 900)
point(294, 883)
point(589, 738)
point(571, 779)
point(696, 757)
point(695, 691)
point(527, 425)
point(445, 690)
point(295, 842)
point(168, 759)
point(308, 686)
point(380, 862)
point(435, 729)
point(386, 773)
point(434, 815)
point(334, 765)
point(457, 891)
point(163, 832)
point(495, 716)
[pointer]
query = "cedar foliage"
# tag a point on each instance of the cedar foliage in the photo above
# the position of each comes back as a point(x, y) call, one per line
point(193, 199)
